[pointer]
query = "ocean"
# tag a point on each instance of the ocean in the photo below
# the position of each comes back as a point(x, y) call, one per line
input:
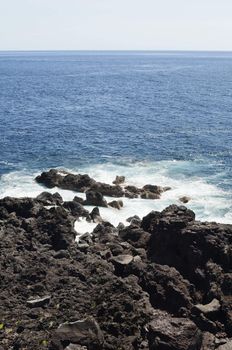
point(161, 118)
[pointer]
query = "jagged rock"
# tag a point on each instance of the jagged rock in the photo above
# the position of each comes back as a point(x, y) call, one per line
point(50, 179)
point(78, 200)
point(47, 198)
point(149, 195)
point(95, 215)
point(95, 198)
point(131, 218)
point(210, 308)
point(116, 204)
point(167, 332)
point(153, 188)
point(119, 180)
point(149, 221)
point(83, 332)
point(39, 302)
point(185, 199)
point(135, 236)
point(108, 190)
point(76, 209)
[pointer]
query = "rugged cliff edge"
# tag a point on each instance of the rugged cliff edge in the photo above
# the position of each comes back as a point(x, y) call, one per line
point(163, 282)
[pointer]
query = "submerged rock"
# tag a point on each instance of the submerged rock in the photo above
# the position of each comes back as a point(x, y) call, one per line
point(116, 204)
point(185, 199)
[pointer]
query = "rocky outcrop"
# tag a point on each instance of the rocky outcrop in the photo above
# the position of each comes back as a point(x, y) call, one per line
point(83, 183)
point(119, 180)
point(163, 282)
point(95, 199)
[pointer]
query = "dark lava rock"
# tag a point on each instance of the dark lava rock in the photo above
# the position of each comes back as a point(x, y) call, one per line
point(164, 283)
point(83, 332)
point(50, 179)
point(185, 199)
point(95, 198)
point(167, 332)
point(116, 204)
point(119, 180)
point(76, 209)
point(95, 215)
point(47, 198)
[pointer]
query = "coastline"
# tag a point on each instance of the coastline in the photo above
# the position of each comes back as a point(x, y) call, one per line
point(162, 281)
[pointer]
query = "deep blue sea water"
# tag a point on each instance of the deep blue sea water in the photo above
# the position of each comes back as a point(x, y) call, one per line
point(141, 113)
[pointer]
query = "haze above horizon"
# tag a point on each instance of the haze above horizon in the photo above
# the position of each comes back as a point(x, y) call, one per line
point(153, 25)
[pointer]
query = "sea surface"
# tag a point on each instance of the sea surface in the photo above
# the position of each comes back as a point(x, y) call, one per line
point(163, 118)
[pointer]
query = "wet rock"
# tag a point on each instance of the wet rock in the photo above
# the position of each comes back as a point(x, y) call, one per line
point(76, 209)
point(116, 204)
point(95, 215)
point(119, 180)
point(85, 332)
point(185, 199)
point(153, 189)
point(167, 332)
point(131, 218)
point(50, 179)
point(47, 198)
point(95, 198)
point(78, 200)
point(108, 190)
point(149, 195)
point(39, 302)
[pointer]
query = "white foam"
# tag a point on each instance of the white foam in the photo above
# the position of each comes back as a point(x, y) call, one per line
point(208, 201)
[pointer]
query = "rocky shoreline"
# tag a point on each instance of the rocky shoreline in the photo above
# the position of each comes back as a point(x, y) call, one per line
point(162, 282)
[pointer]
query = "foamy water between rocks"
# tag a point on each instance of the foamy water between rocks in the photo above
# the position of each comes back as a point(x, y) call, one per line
point(208, 201)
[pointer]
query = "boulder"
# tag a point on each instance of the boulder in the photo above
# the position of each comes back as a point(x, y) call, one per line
point(119, 180)
point(167, 332)
point(149, 195)
point(135, 236)
point(185, 199)
point(50, 179)
point(82, 332)
point(153, 189)
point(47, 198)
point(95, 198)
point(76, 209)
point(78, 200)
point(116, 204)
point(95, 215)
point(108, 190)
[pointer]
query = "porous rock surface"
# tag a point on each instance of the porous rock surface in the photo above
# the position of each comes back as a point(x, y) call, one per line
point(164, 283)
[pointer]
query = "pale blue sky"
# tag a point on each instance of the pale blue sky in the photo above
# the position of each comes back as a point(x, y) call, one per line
point(116, 24)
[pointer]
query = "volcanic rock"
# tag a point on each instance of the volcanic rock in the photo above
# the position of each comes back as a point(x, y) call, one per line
point(116, 204)
point(119, 180)
point(95, 198)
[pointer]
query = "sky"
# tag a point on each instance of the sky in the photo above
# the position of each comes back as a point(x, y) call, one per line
point(116, 25)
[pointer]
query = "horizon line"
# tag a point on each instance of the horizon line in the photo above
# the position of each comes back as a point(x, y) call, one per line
point(115, 50)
